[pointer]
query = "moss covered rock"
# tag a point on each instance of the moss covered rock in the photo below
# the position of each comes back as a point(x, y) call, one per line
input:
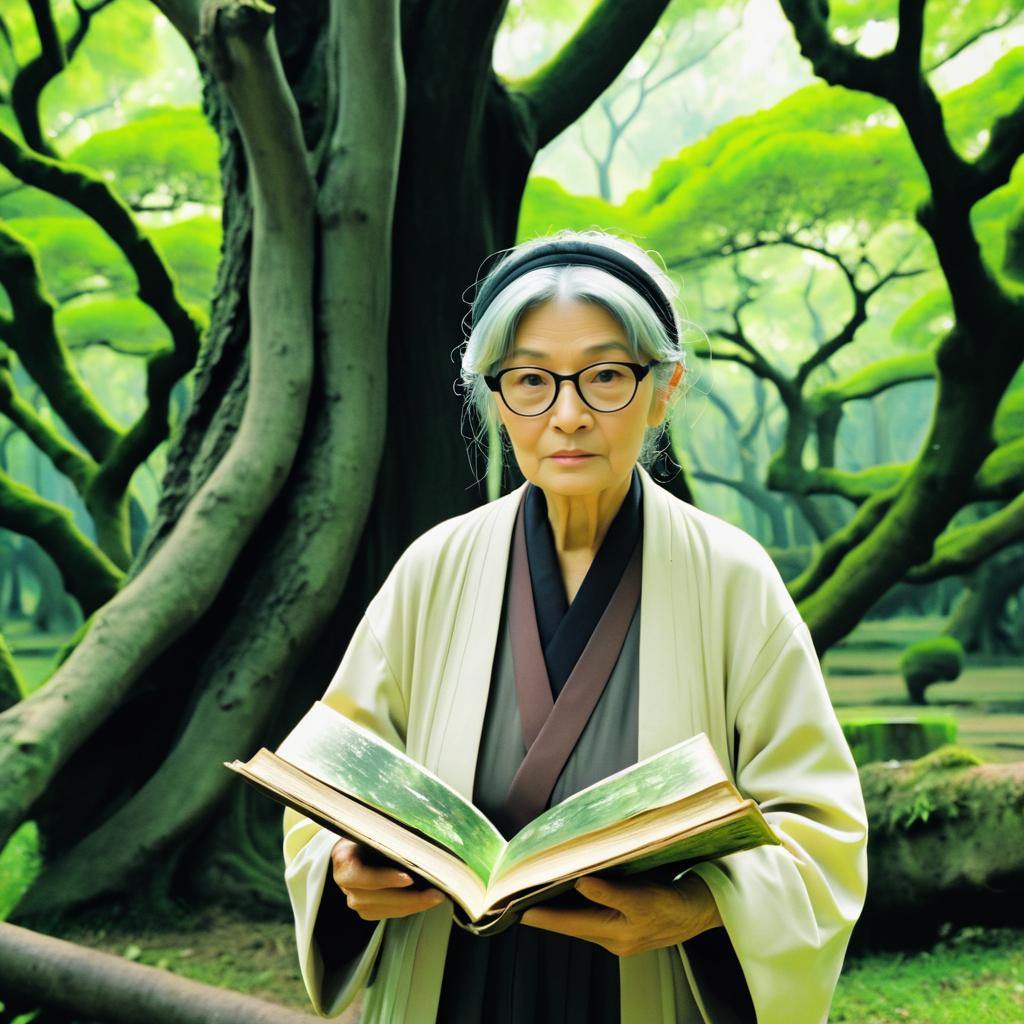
point(938, 659)
point(897, 739)
point(945, 836)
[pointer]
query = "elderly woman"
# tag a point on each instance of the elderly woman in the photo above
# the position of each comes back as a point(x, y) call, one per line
point(589, 587)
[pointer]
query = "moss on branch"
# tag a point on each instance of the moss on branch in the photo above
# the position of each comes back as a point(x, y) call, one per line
point(89, 575)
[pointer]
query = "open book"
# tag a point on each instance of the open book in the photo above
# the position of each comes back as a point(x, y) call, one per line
point(668, 811)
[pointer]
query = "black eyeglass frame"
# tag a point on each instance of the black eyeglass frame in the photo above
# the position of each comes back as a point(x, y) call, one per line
point(640, 370)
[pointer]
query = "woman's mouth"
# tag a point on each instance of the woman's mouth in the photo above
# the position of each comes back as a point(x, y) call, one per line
point(570, 458)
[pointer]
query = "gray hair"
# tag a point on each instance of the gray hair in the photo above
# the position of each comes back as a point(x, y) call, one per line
point(492, 338)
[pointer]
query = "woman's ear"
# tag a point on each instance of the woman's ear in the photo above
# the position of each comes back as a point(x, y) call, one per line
point(663, 395)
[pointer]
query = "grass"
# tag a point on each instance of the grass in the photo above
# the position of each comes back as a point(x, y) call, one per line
point(215, 946)
point(973, 975)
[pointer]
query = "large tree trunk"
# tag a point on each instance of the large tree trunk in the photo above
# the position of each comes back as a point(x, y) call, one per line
point(148, 787)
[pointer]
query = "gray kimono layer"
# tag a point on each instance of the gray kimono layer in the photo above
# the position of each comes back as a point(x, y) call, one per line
point(525, 974)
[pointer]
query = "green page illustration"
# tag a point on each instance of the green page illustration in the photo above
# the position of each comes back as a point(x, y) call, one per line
point(661, 779)
point(336, 750)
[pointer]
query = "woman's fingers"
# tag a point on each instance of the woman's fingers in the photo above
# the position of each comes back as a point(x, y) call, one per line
point(351, 870)
point(375, 904)
point(377, 891)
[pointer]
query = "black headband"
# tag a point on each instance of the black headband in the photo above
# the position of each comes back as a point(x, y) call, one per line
point(590, 254)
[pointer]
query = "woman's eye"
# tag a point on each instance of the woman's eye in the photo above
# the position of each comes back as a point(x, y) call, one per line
point(607, 376)
point(530, 380)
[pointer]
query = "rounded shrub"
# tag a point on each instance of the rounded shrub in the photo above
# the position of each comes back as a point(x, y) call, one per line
point(938, 659)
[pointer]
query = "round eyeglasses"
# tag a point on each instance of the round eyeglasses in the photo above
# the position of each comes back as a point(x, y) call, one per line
point(604, 387)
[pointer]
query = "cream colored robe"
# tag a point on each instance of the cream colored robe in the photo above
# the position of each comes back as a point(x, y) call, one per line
point(723, 650)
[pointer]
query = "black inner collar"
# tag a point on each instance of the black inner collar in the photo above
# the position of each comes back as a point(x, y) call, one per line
point(565, 628)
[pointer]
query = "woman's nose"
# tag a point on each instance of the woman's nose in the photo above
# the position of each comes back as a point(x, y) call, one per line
point(569, 411)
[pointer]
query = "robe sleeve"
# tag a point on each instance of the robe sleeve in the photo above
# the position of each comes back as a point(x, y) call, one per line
point(365, 689)
point(788, 911)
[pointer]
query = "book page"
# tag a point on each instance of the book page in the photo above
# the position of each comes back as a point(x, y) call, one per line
point(337, 751)
point(663, 778)
point(355, 820)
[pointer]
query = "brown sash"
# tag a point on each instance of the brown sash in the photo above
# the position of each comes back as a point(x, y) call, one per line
point(551, 728)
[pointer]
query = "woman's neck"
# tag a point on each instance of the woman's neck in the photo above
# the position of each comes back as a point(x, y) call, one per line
point(579, 522)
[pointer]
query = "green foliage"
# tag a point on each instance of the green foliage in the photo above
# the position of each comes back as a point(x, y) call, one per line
point(163, 156)
point(944, 759)
point(547, 206)
point(929, 661)
point(871, 379)
point(924, 322)
point(781, 183)
point(77, 258)
point(998, 222)
point(191, 247)
point(75, 255)
point(119, 50)
point(829, 111)
point(20, 862)
point(939, 657)
point(126, 325)
point(948, 23)
point(970, 111)
point(1009, 418)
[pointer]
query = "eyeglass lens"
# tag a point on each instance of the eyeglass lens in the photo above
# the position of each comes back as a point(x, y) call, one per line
point(606, 387)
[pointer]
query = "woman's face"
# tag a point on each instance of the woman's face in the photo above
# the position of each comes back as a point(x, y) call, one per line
point(565, 335)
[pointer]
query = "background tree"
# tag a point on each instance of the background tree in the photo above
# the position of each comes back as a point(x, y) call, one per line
point(233, 590)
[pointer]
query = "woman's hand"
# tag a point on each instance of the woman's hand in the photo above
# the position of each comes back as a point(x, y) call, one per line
point(376, 892)
point(633, 916)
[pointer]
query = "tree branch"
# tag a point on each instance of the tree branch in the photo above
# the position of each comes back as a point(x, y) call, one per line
point(872, 380)
point(558, 93)
point(995, 26)
point(896, 76)
point(60, 975)
point(184, 16)
point(854, 485)
point(840, 543)
point(158, 605)
point(33, 77)
point(907, 51)
point(834, 62)
point(89, 576)
point(1001, 475)
point(66, 458)
point(757, 496)
point(34, 338)
point(963, 548)
point(1005, 146)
